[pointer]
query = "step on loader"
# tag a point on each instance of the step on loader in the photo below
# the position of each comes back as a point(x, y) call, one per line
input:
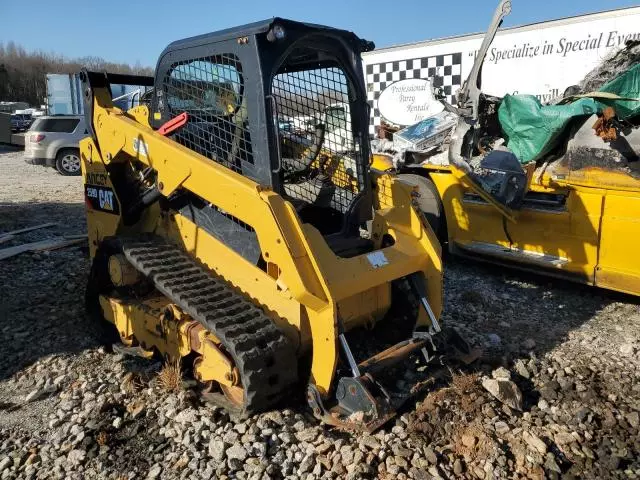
point(256, 247)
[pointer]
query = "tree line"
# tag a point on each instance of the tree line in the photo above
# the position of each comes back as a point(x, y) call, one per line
point(23, 74)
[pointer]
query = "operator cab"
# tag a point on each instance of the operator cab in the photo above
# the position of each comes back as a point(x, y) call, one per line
point(245, 89)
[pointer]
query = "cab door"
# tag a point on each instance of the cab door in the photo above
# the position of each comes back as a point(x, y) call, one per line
point(557, 227)
point(619, 262)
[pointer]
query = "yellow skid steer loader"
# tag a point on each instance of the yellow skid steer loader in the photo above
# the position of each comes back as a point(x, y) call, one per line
point(259, 254)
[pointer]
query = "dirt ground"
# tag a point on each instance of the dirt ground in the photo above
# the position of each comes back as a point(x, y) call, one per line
point(567, 356)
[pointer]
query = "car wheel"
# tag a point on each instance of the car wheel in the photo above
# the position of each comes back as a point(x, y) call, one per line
point(430, 203)
point(68, 162)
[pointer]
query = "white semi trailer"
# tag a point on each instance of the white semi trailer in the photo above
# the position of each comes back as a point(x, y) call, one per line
point(542, 59)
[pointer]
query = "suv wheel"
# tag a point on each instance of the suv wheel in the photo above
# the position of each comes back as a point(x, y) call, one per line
point(68, 161)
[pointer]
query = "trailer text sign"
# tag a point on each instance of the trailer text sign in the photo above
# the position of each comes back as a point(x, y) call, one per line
point(408, 101)
point(542, 59)
point(564, 46)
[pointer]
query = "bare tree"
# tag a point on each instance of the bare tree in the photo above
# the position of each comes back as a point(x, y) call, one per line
point(23, 74)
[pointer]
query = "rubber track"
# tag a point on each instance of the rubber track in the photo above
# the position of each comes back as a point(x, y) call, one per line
point(265, 358)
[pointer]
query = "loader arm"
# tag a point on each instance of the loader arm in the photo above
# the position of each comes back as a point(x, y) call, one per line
point(118, 133)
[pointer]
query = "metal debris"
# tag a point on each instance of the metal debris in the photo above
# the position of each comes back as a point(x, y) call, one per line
point(612, 66)
point(25, 230)
point(42, 245)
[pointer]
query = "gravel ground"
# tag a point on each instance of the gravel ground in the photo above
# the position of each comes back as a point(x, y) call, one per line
point(556, 393)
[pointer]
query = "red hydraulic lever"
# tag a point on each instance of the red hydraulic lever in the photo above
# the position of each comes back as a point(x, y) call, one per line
point(174, 124)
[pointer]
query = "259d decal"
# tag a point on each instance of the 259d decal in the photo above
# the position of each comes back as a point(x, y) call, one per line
point(102, 199)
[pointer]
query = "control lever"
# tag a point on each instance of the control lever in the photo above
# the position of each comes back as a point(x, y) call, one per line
point(174, 124)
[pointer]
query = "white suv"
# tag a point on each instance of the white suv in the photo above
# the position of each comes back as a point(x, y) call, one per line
point(53, 141)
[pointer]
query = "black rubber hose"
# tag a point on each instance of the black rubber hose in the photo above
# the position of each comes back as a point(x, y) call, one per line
point(149, 197)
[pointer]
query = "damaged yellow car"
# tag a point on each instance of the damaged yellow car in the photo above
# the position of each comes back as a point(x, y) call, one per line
point(550, 188)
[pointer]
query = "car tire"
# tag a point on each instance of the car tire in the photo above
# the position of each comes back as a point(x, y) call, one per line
point(430, 203)
point(68, 162)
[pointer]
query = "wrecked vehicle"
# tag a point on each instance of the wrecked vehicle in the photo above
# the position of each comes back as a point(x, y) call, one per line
point(550, 188)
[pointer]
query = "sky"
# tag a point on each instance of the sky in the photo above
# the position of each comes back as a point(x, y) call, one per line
point(132, 31)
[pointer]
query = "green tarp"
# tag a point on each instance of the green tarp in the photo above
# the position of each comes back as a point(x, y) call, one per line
point(532, 130)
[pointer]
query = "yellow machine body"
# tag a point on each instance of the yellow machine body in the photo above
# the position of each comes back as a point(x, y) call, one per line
point(588, 237)
point(254, 251)
point(305, 287)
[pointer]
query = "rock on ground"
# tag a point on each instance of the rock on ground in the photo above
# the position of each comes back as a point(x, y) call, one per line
point(570, 351)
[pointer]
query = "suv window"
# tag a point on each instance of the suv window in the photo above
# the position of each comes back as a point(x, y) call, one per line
point(59, 125)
